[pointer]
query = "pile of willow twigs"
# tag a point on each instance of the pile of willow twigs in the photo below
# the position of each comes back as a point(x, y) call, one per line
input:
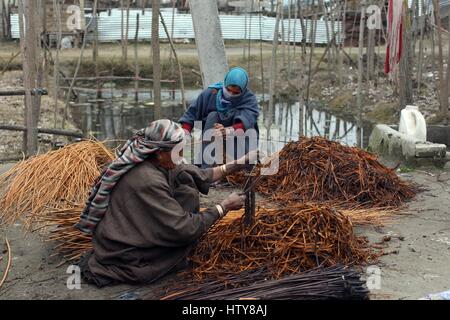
point(337, 282)
point(317, 169)
point(55, 180)
point(72, 243)
point(284, 241)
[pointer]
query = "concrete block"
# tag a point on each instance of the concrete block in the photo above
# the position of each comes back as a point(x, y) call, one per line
point(388, 142)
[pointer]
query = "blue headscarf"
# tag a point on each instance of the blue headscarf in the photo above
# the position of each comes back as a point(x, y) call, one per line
point(236, 76)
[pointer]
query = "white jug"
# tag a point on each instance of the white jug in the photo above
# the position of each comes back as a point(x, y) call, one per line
point(412, 123)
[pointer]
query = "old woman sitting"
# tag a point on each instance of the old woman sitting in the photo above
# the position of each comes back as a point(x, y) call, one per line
point(143, 212)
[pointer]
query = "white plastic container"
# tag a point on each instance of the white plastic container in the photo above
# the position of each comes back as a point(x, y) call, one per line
point(412, 123)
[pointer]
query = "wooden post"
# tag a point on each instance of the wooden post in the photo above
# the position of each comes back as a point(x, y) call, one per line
point(250, 40)
point(261, 57)
point(77, 69)
point(156, 60)
point(58, 25)
point(301, 95)
point(295, 29)
point(329, 38)
point(42, 23)
point(442, 90)
point(313, 32)
point(172, 69)
point(122, 31)
point(30, 42)
point(447, 85)
point(341, 42)
point(273, 66)
point(283, 40)
point(370, 53)
point(405, 77)
point(127, 30)
point(420, 62)
point(245, 36)
point(136, 60)
point(180, 71)
point(360, 74)
point(3, 19)
point(289, 36)
point(95, 52)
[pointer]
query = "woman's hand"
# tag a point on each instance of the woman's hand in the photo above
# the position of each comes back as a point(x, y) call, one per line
point(234, 201)
point(220, 130)
point(249, 158)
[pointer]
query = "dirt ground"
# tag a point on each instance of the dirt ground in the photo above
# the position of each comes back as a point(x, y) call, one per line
point(416, 264)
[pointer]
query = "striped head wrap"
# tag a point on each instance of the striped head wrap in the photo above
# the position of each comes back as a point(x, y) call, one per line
point(160, 135)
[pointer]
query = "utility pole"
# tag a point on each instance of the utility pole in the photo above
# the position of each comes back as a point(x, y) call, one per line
point(209, 40)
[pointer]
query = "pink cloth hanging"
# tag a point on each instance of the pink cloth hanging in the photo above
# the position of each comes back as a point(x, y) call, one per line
point(394, 35)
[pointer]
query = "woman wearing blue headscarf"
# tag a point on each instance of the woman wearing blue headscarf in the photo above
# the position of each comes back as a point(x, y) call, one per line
point(228, 107)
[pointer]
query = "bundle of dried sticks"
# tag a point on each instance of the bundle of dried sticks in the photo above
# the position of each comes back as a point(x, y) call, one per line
point(337, 282)
point(284, 240)
point(57, 179)
point(317, 169)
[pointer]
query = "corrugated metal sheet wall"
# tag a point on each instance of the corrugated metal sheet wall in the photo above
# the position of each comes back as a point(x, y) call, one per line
point(233, 27)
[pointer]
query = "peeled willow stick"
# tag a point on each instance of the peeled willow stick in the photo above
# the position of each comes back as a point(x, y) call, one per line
point(8, 265)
